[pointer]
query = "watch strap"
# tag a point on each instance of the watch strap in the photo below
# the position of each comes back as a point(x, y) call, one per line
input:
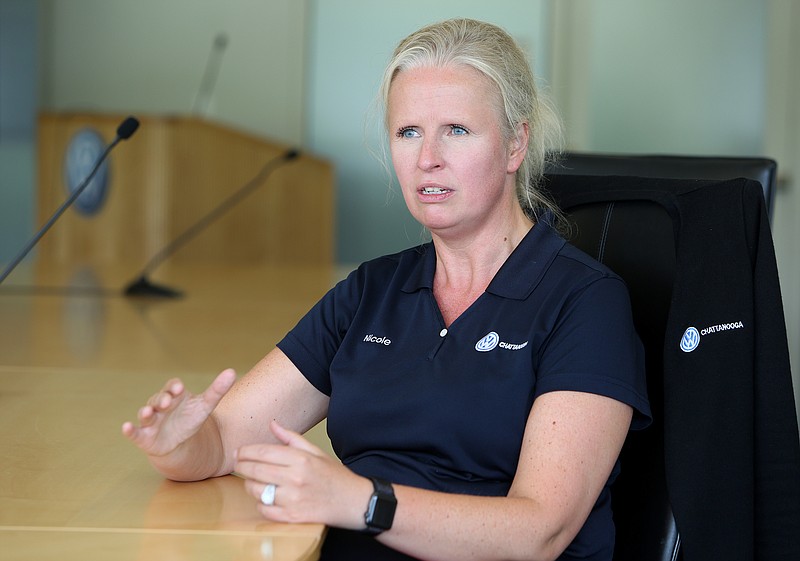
point(382, 486)
point(381, 507)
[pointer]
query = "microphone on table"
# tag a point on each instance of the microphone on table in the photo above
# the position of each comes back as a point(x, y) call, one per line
point(142, 285)
point(124, 132)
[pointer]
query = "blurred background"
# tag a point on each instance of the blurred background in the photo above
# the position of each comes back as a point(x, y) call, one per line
point(714, 77)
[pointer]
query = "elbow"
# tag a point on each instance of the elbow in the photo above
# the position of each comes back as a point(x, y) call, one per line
point(547, 547)
point(546, 530)
point(548, 541)
point(554, 546)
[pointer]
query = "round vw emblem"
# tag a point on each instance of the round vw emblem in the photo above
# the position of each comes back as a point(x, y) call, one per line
point(690, 340)
point(83, 151)
point(488, 342)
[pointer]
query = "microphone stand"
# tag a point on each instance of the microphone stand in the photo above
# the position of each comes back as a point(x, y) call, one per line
point(142, 286)
point(124, 131)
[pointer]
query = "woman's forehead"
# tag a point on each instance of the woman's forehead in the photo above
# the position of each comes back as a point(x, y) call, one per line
point(457, 85)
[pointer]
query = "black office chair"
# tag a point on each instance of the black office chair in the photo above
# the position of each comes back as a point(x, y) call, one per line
point(635, 236)
point(763, 170)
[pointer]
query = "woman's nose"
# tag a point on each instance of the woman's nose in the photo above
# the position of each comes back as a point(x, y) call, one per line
point(430, 155)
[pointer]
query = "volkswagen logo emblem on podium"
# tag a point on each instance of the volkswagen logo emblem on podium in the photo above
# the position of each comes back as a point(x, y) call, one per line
point(83, 150)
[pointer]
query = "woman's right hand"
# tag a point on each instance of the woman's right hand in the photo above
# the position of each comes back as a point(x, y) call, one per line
point(174, 415)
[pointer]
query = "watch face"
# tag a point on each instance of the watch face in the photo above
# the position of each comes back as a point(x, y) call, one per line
point(83, 151)
point(380, 511)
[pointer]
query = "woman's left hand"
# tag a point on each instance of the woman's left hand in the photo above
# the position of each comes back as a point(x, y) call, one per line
point(310, 485)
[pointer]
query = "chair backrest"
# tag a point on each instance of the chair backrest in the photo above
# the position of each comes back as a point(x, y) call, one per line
point(763, 170)
point(636, 239)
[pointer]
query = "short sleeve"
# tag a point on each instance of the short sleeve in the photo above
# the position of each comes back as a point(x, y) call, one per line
point(312, 344)
point(594, 348)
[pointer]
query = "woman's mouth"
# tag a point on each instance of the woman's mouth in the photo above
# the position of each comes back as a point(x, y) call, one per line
point(434, 190)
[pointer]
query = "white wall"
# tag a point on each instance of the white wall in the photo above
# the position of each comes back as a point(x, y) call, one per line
point(350, 43)
point(782, 140)
point(149, 56)
point(18, 99)
point(680, 77)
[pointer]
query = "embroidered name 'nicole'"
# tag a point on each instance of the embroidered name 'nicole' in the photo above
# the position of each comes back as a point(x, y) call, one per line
point(379, 340)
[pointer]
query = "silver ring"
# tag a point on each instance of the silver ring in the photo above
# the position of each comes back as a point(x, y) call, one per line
point(268, 494)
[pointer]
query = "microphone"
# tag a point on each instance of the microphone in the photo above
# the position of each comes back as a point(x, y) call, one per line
point(124, 131)
point(209, 80)
point(143, 287)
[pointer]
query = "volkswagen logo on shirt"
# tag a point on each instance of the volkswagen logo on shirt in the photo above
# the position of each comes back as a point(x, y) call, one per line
point(690, 340)
point(492, 340)
point(488, 342)
point(691, 337)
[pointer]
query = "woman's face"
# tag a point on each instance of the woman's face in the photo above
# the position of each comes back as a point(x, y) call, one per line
point(455, 168)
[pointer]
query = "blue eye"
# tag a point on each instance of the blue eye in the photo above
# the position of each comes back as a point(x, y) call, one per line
point(458, 130)
point(407, 132)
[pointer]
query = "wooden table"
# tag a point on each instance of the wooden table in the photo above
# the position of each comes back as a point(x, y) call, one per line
point(76, 363)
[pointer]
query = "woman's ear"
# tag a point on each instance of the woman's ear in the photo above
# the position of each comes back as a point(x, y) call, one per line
point(518, 147)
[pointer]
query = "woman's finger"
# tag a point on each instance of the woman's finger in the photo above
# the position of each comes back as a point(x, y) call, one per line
point(164, 397)
point(293, 439)
point(219, 387)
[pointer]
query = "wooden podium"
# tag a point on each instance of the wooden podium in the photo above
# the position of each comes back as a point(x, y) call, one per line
point(170, 174)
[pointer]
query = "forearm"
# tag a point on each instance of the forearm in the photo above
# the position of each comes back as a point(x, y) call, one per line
point(443, 526)
point(199, 457)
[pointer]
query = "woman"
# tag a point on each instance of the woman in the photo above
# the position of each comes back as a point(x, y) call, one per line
point(478, 388)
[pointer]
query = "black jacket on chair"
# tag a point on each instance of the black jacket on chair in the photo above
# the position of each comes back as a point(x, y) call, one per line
point(731, 447)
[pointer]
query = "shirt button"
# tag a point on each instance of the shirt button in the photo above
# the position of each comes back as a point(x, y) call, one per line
point(443, 332)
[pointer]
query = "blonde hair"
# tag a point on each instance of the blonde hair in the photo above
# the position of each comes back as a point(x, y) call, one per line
point(492, 52)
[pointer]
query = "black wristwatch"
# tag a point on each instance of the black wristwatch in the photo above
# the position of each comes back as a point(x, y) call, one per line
point(381, 507)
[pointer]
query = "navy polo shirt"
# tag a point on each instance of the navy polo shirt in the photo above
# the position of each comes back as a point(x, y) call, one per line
point(445, 408)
